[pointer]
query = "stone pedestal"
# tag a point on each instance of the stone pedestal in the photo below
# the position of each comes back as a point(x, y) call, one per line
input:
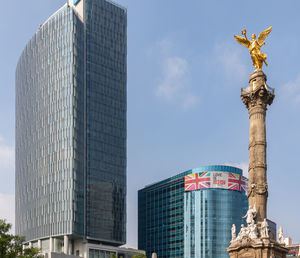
point(259, 248)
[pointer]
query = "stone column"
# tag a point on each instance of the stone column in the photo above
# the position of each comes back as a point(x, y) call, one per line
point(250, 243)
point(85, 249)
point(55, 245)
point(154, 255)
point(66, 244)
point(256, 97)
point(51, 249)
point(40, 244)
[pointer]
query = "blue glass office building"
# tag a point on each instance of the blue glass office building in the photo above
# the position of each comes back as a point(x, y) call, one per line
point(71, 128)
point(191, 214)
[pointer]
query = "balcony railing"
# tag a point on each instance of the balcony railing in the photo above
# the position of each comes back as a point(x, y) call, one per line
point(247, 89)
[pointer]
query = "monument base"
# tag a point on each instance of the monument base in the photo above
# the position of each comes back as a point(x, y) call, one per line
point(257, 248)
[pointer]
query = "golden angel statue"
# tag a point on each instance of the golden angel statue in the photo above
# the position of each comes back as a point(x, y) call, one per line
point(258, 58)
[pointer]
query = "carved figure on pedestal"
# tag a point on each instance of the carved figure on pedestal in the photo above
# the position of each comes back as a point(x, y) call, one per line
point(253, 234)
point(243, 232)
point(264, 229)
point(250, 215)
point(233, 232)
point(280, 236)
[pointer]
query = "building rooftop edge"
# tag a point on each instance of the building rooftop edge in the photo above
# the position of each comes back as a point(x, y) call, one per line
point(117, 5)
point(67, 4)
point(190, 171)
point(61, 8)
point(52, 15)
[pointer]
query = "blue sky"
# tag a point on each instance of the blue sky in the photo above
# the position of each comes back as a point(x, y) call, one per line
point(185, 71)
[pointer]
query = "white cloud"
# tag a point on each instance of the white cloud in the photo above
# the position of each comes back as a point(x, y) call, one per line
point(190, 100)
point(164, 46)
point(291, 90)
point(242, 165)
point(7, 208)
point(174, 86)
point(229, 57)
point(174, 78)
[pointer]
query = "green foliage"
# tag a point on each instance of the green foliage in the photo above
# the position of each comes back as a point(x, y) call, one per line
point(139, 256)
point(30, 253)
point(113, 255)
point(11, 246)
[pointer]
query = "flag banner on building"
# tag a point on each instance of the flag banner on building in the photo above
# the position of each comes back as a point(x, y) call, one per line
point(216, 179)
point(197, 181)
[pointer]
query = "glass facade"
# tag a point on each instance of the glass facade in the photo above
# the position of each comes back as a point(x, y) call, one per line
point(106, 120)
point(175, 223)
point(208, 217)
point(71, 126)
point(160, 218)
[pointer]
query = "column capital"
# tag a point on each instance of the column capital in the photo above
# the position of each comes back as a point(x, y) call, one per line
point(258, 93)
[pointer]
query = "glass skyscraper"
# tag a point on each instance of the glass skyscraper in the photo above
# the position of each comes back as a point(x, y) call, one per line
point(71, 129)
point(190, 215)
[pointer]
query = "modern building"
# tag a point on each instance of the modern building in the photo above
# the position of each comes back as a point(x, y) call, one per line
point(294, 250)
point(272, 229)
point(191, 214)
point(71, 129)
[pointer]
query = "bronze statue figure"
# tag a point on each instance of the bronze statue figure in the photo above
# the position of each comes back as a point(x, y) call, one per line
point(258, 58)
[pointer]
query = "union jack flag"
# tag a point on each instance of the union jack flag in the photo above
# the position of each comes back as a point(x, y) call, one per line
point(197, 181)
point(237, 182)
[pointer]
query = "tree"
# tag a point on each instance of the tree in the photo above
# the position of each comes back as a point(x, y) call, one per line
point(11, 246)
point(139, 256)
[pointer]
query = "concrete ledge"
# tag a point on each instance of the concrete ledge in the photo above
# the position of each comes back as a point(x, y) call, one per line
point(60, 255)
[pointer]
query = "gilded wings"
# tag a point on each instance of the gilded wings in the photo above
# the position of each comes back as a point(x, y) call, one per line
point(246, 42)
point(262, 36)
point(243, 41)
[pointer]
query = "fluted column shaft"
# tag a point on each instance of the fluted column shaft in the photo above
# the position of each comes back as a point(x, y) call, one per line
point(256, 97)
point(257, 161)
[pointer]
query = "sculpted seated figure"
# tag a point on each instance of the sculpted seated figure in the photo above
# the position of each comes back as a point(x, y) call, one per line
point(244, 232)
point(253, 231)
point(249, 231)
